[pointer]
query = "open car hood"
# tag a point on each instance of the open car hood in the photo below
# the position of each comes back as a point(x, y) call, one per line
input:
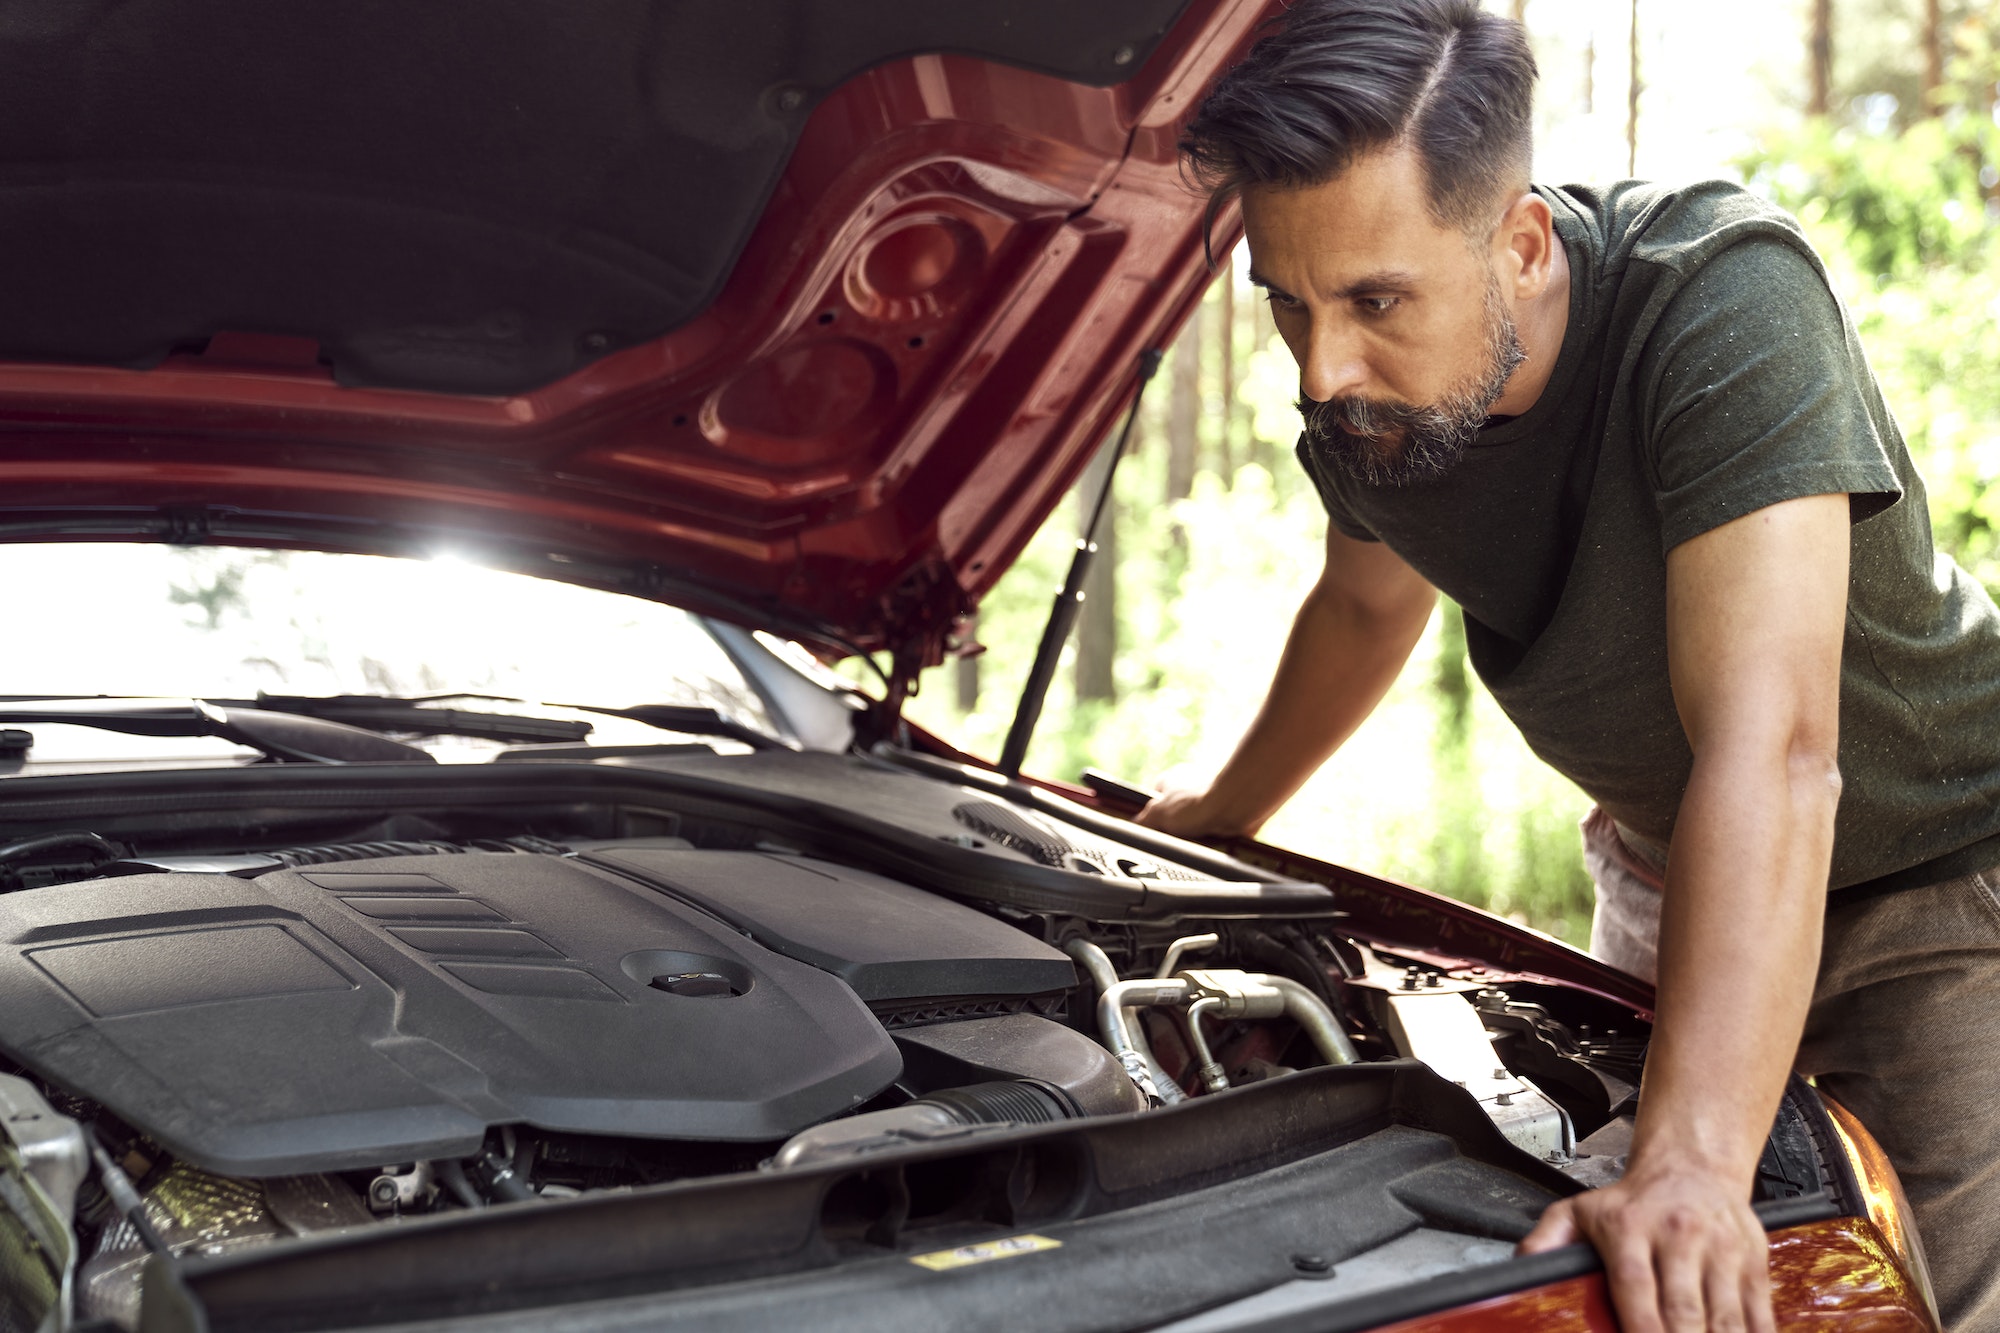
point(793, 311)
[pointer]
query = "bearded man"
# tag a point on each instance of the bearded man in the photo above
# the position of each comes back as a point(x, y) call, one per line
point(1632, 433)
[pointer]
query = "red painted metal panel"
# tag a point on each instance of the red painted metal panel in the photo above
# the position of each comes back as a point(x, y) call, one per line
point(936, 320)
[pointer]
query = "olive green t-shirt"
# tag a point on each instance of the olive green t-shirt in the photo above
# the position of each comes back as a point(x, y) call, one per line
point(1707, 371)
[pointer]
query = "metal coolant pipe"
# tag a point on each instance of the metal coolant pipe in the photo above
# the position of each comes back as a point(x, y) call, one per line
point(1311, 1013)
point(1121, 1029)
point(1123, 1035)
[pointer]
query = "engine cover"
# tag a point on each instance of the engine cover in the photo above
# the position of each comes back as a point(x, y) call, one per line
point(361, 1014)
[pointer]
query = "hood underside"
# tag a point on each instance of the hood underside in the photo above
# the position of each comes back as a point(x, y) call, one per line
point(800, 314)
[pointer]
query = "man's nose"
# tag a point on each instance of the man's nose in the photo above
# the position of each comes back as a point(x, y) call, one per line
point(1334, 365)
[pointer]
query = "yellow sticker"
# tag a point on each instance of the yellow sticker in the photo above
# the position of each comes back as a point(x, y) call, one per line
point(943, 1261)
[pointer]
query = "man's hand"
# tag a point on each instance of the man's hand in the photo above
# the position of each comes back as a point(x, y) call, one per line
point(1186, 812)
point(1683, 1252)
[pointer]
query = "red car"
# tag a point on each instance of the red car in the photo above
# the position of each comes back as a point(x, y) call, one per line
point(685, 986)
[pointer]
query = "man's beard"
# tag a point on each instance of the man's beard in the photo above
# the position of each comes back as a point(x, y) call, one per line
point(1355, 432)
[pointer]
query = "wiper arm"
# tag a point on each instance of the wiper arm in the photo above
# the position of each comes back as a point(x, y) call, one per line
point(297, 739)
point(688, 720)
point(387, 712)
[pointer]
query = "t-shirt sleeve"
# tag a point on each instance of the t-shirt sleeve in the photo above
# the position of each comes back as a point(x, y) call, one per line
point(1337, 511)
point(1761, 395)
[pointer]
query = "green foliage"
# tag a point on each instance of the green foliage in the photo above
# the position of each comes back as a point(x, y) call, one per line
point(1909, 224)
point(1894, 204)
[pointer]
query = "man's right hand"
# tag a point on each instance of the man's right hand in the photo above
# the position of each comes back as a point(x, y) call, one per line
point(1187, 813)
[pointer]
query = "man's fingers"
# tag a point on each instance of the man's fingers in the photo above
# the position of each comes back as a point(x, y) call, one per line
point(1635, 1292)
point(1684, 1251)
point(1556, 1229)
point(1727, 1294)
point(1757, 1288)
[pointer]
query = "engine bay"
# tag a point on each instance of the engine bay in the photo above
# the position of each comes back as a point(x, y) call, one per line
point(291, 1005)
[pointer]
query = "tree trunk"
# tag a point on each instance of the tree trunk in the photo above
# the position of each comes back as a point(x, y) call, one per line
point(1819, 46)
point(1933, 55)
point(965, 672)
point(1097, 618)
point(1590, 74)
point(1184, 412)
point(1633, 86)
point(1225, 447)
point(1225, 309)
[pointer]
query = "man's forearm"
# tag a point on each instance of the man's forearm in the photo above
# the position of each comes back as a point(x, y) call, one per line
point(1739, 946)
point(1340, 660)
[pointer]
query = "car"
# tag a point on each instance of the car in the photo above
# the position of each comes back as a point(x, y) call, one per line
point(442, 885)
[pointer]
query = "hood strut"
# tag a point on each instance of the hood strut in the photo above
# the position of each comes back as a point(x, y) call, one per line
point(1062, 618)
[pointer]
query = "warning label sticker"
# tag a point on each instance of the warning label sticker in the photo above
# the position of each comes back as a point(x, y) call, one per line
point(941, 1261)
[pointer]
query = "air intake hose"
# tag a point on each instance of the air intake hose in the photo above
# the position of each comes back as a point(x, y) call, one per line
point(947, 1113)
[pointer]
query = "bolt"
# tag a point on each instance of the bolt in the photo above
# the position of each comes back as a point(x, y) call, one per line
point(382, 1190)
point(1123, 55)
point(1312, 1265)
point(1504, 1099)
point(791, 99)
point(1500, 1073)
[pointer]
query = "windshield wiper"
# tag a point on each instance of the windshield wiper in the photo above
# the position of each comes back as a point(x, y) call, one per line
point(388, 712)
point(296, 739)
point(688, 720)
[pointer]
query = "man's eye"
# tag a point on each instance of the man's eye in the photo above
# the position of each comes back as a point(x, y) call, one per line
point(1379, 305)
point(1280, 301)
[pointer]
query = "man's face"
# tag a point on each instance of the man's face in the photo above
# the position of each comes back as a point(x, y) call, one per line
point(1403, 338)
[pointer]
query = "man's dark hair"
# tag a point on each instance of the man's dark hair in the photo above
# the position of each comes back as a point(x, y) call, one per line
point(1342, 78)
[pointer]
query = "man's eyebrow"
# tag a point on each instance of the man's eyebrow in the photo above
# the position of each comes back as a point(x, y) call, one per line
point(1259, 280)
point(1388, 280)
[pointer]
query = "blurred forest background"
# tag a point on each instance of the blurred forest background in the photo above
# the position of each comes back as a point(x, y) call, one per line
point(1876, 121)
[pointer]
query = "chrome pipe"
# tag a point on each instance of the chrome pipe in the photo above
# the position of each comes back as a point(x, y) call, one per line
point(1124, 1038)
point(1313, 1014)
point(1186, 944)
point(1212, 1075)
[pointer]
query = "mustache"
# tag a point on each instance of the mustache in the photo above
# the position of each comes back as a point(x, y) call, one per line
point(1364, 417)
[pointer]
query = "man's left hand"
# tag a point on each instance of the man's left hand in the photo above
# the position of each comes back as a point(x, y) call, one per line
point(1683, 1251)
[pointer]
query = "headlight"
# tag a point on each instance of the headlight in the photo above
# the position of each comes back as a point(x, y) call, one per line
point(1882, 1193)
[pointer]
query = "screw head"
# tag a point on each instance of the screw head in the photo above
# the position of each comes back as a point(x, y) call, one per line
point(1312, 1265)
point(1123, 55)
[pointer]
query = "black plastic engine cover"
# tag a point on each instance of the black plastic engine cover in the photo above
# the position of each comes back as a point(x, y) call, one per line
point(885, 939)
point(368, 1013)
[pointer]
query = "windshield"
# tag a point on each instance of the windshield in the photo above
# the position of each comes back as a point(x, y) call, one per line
point(138, 620)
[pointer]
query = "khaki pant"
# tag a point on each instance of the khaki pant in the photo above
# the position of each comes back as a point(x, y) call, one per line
point(1904, 1031)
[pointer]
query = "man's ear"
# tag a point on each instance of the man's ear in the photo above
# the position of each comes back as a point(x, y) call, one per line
point(1524, 247)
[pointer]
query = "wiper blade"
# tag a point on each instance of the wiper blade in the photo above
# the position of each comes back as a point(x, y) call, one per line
point(688, 720)
point(388, 712)
point(296, 739)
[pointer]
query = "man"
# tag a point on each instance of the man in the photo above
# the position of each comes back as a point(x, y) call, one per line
point(1631, 432)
